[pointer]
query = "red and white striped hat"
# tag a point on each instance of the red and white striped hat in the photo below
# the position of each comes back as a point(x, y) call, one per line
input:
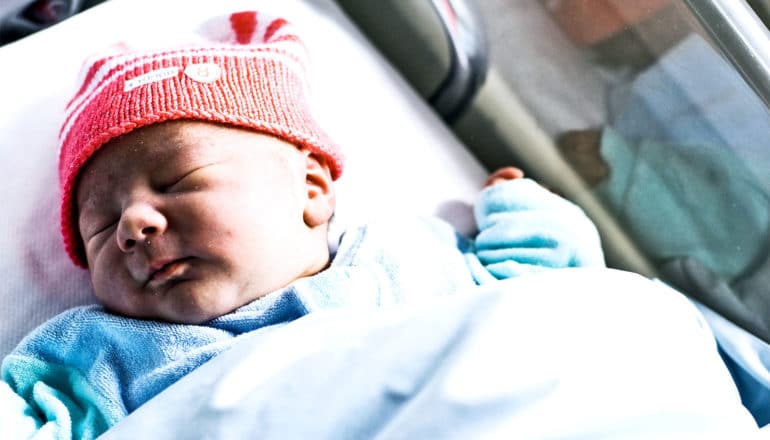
point(249, 71)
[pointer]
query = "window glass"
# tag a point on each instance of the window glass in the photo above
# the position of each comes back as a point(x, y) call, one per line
point(664, 131)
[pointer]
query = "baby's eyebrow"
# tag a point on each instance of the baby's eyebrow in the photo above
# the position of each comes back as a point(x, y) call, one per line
point(192, 155)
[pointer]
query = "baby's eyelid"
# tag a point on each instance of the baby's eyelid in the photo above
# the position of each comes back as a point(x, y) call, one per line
point(181, 178)
point(175, 182)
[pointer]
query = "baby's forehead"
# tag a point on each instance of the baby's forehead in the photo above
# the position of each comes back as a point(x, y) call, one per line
point(150, 146)
point(171, 139)
point(164, 146)
point(171, 135)
point(193, 133)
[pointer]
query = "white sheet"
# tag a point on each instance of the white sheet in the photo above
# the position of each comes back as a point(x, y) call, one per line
point(573, 353)
point(400, 156)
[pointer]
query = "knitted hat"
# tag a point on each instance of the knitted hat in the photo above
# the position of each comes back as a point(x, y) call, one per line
point(249, 70)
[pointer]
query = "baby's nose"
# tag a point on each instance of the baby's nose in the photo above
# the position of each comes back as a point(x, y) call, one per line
point(138, 224)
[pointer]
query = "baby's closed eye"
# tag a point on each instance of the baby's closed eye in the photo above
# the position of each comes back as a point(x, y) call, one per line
point(192, 180)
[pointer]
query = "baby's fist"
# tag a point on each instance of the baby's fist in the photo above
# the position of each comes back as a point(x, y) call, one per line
point(503, 175)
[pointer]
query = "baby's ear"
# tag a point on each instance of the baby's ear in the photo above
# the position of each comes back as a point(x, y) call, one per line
point(320, 202)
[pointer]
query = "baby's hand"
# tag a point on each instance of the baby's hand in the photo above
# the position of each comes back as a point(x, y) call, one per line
point(503, 175)
point(506, 174)
point(525, 228)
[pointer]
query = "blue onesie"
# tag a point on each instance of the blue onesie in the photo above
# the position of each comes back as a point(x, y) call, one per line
point(86, 369)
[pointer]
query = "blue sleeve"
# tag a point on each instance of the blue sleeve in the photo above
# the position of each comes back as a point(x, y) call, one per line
point(41, 400)
point(525, 228)
point(17, 417)
point(46, 392)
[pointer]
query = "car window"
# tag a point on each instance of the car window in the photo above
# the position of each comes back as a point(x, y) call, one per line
point(648, 106)
point(651, 115)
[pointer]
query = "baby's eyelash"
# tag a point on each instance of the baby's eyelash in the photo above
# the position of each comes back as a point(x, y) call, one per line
point(171, 184)
point(180, 178)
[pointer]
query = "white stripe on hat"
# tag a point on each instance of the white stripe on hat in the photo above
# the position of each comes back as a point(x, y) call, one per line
point(98, 83)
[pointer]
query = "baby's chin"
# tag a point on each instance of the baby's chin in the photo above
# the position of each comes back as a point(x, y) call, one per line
point(193, 306)
point(201, 311)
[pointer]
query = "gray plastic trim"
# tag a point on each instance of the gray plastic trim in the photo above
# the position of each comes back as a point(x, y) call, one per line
point(469, 58)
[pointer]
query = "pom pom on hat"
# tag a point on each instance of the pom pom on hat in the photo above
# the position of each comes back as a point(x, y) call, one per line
point(247, 70)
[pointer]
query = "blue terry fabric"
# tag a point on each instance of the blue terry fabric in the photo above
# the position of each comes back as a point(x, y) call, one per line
point(525, 228)
point(86, 369)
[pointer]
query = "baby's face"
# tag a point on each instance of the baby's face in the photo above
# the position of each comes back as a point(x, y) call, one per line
point(187, 221)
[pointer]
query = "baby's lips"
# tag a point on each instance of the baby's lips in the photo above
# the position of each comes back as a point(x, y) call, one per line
point(164, 270)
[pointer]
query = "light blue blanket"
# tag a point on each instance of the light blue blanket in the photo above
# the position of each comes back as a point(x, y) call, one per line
point(564, 354)
point(87, 369)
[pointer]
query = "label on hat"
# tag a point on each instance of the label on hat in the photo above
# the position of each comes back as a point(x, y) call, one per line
point(150, 77)
point(205, 72)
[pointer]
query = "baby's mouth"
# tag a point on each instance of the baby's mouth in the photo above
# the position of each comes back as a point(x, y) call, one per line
point(168, 273)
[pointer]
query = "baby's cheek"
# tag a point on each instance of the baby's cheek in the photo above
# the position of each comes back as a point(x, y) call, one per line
point(107, 291)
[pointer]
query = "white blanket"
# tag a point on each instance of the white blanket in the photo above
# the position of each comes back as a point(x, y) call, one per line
point(575, 353)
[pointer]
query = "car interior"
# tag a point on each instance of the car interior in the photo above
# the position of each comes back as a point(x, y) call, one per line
point(651, 116)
